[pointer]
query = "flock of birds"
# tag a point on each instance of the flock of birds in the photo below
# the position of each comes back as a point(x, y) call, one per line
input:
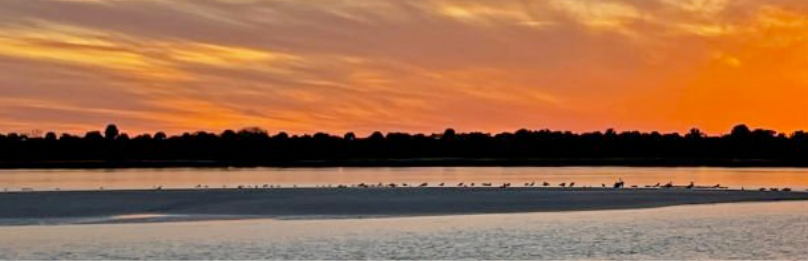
point(619, 184)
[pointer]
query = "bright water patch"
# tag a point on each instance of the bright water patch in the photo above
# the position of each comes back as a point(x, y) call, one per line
point(97, 179)
point(723, 231)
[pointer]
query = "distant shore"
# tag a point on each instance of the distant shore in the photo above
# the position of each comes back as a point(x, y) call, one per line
point(408, 162)
point(40, 207)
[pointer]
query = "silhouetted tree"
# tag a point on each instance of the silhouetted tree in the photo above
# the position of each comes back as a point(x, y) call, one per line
point(740, 131)
point(255, 146)
point(160, 136)
point(111, 132)
point(349, 136)
point(50, 136)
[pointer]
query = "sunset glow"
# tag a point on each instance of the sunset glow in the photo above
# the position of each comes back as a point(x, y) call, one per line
point(413, 65)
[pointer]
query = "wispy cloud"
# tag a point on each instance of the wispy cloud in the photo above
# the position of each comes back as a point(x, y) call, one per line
point(415, 65)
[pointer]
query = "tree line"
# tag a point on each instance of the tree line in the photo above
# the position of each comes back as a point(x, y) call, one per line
point(742, 146)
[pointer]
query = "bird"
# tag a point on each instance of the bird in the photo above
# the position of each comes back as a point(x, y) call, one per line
point(572, 184)
point(545, 184)
point(423, 185)
point(786, 189)
point(460, 185)
point(441, 184)
point(563, 184)
point(690, 186)
point(619, 183)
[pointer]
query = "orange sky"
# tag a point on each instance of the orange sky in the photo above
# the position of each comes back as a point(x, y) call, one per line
point(403, 65)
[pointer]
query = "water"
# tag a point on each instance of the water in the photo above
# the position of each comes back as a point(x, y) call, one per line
point(723, 231)
point(217, 177)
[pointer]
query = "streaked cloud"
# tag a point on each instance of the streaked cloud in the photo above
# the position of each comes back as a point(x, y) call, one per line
point(414, 65)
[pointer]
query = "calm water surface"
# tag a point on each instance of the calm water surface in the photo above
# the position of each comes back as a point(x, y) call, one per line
point(723, 231)
point(231, 177)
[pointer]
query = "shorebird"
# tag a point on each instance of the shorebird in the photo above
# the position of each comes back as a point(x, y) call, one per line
point(619, 183)
point(668, 185)
point(572, 184)
point(602, 185)
point(545, 184)
point(717, 186)
point(486, 184)
point(657, 185)
point(472, 184)
point(690, 186)
point(774, 189)
point(762, 189)
point(159, 187)
point(423, 185)
point(441, 184)
point(563, 184)
point(460, 185)
point(786, 189)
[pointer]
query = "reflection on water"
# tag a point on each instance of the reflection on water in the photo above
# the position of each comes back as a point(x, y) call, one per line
point(231, 177)
point(724, 231)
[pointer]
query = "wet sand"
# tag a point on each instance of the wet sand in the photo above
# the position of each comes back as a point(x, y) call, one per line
point(36, 207)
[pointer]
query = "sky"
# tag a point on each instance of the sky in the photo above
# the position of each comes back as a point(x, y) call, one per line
point(303, 66)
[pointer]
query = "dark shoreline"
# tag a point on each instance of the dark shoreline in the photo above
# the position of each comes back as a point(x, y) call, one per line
point(28, 208)
point(417, 162)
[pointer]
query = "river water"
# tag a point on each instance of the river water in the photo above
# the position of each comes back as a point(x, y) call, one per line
point(775, 230)
point(81, 179)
